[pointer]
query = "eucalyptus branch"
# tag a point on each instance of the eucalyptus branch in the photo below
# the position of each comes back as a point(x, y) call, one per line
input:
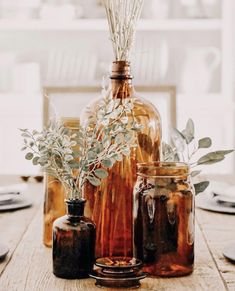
point(181, 141)
point(84, 156)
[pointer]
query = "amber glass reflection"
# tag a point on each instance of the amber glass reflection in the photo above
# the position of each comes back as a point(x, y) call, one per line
point(164, 219)
point(54, 206)
point(110, 205)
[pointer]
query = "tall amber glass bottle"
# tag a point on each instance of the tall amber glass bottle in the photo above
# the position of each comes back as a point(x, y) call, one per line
point(54, 206)
point(110, 205)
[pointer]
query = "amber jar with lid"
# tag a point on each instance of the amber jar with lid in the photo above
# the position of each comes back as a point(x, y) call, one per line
point(54, 206)
point(110, 204)
point(163, 219)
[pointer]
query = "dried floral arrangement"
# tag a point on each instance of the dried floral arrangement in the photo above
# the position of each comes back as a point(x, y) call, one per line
point(86, 155)
point(122, 18)
point(184, 147)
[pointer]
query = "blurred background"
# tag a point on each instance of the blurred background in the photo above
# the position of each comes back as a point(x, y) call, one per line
point(188, 44)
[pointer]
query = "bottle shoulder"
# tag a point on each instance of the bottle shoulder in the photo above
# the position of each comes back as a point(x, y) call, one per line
point(141, 107)
point(68, 222)
point(145, 107)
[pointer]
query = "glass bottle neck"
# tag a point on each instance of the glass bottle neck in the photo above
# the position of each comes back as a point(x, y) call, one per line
point(121, 80)
point(75, 208)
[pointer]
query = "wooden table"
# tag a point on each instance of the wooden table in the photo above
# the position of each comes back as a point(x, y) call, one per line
point(28, 265)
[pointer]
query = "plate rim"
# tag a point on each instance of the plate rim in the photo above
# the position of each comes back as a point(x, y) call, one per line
point(4, 254)
point(24, 203)
point(213, 208)
point(232, 246)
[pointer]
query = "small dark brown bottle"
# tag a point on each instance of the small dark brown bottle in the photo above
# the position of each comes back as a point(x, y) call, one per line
point(73, 243)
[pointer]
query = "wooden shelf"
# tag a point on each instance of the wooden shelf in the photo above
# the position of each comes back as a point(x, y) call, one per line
point(101, 25)
point(208, 100)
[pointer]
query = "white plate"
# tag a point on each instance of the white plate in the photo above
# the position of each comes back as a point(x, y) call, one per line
point(7, 198)
point(229, 252)
point(207, 202)
point(3, 251)
point(19, 203)
point(21, 187)
point(225, 194)
point(225, 199)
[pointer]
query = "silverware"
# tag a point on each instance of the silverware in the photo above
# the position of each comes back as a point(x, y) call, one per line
point(10, 193)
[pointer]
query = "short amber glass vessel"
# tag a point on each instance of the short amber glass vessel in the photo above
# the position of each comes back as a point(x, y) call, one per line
point(109, 205)
point(54, 206)
point(163, 216)
point(73, 243)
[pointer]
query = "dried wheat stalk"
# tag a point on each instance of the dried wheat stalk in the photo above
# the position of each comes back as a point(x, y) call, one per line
point(122, 18)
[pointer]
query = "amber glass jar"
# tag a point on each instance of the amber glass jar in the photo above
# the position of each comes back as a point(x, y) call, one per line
point(164, 219)
point(54, 206)
point(110, 204)
point(73, 243)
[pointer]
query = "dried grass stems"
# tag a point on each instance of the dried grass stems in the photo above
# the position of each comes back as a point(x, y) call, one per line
point(122, 18)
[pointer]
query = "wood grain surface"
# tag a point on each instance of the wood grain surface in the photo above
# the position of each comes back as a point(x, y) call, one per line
point(28, 266)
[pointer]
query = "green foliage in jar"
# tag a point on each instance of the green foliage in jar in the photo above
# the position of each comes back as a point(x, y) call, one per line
point(75, 158)
point(184, 147)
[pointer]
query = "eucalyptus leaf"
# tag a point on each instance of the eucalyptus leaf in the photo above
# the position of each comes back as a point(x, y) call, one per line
point(94, 181)
point(210, 159)
point(201, 187)
point(190, 127)
point(29, 156)
point(35, 132)
point(107, 163)
point(117, 157)
point(126, 152)
point(101, 173)
point(73, 143)
point(176, 157)
point(129, 136)
point(119, 138)
point(213, 157)
point(204, 143)
point(188, 132)
point(74, 165)
point(99, 148)
point(91, 155)
point(195, 173)
point(26, 135)
point(35, 161)
point(167, 152)
point(224, 152)
point(178, 140)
